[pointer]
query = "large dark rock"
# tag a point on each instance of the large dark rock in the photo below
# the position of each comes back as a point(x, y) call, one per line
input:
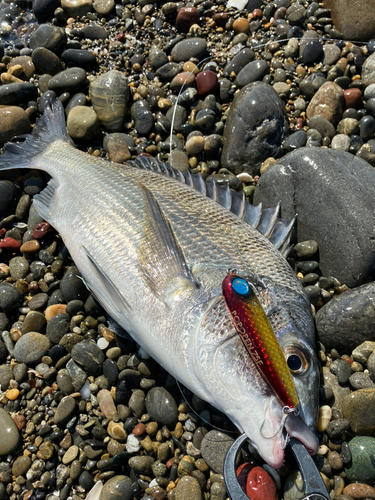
point(44, 9)
point(348, 320)
point(333, 193)
point(255, 128)
point(50, 37)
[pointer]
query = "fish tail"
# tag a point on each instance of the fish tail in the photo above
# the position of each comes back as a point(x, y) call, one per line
point(49, 128)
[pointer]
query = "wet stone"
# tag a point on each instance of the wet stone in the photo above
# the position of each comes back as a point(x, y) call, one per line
point(34, 322)
point(328, 102)
point(361, 381)
point(142, 464)
point(359, 409)
point(70, 80)
point(49, 37)
point(65, 410)
point(157, 58)
point(362, 468)
point(57, 327)
point(117, 487)
point(10, 435)
point(46, 61)
point(184, 50)
point(313, 52)
point(161, 406)
point(87, 354)
point(252, 72)
point(168, 71)
point(72, 285)
point(13, 121)
point(336, 427)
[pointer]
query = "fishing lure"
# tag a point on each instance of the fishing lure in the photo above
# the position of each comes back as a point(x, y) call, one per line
point(259, 338)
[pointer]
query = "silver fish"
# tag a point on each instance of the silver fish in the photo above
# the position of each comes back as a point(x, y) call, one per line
point(154, 251)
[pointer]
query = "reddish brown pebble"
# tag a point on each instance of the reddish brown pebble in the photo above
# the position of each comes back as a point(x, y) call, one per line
point(182, 79)
point(206, 82)
point(186, 17)
point(241, 25)
point(257, 14)
point(139, 429)
point(121, 37)
point(145, 154)
point(299, 123)
point(260, 486)
point(359, 491)
point(2, 232)
point(221, 18)
point(169, 463)
point(20, 422)
point(31, 246)
point(353, 98)
point(41, 229)
point(10, 244)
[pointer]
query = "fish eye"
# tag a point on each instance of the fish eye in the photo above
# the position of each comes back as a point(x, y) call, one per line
point(240, 286)
point(296, 359)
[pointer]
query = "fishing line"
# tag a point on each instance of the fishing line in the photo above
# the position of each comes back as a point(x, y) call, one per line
point(199, 416)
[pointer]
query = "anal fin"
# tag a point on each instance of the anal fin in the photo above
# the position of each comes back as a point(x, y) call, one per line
point(105, 291)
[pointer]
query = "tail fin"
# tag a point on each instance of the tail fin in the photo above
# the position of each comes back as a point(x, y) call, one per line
point(49, 128)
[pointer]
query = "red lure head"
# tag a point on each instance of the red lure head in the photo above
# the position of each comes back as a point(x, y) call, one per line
point(258, 337)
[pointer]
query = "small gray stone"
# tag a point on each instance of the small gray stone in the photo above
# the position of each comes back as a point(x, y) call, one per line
point(50, 37)
point(252, 72)
point(89, 356)
point(361, 380)
point(191, 47)
point(342, 370)
point(10, 296)
point(34, 322)
point(142, 464)
point(9, 433)
point(161, 406)
point(347, 320)
point(65, 410)
point(31, 347)
point(214, 447)
point(336, 427)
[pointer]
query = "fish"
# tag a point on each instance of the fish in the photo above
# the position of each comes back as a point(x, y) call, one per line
point(154, 245)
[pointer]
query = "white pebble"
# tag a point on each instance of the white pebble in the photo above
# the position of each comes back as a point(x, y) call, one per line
point(143, 354)
point(245, 177)
point(133, 444)
point(102, 343)
point(237, 4)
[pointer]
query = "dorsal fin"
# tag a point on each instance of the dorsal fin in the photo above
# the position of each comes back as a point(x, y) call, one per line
point(278, 231)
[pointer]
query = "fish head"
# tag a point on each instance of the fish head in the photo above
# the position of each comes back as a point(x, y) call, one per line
point(231, 381)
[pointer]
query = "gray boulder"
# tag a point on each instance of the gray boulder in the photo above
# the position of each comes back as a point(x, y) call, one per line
point(255, 128)
point(333, 193)
point(348, 320)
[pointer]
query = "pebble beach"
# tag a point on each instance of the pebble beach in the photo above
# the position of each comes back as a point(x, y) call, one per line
point(274, 98)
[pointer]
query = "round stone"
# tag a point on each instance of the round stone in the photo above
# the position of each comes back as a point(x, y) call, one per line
point(362, 467)
point(9, 433)
point(116, 488)
point(65, 410)
point(21, 465)
point(206, 82)
point(186, 17)
point(241, 25)
point(161, 406)
point(87, 354)
point(214, 447)
point(188, 487)
point(359, 408)
point(13, 121)
point(31, 347)
point(313, 52)
point(195, 145)
point(191, 47)
point(82, 123)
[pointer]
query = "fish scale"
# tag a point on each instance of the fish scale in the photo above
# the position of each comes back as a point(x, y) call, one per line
point(154, 251)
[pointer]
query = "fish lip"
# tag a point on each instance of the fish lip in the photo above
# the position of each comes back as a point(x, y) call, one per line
point(296, 427)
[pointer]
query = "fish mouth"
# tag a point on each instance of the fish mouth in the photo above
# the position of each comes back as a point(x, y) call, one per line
point(294, 426)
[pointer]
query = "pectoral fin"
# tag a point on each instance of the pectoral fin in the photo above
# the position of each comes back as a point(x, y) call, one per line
point(160, 256)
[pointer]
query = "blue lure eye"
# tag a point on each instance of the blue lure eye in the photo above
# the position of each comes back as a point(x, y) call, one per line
point(240, 286)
